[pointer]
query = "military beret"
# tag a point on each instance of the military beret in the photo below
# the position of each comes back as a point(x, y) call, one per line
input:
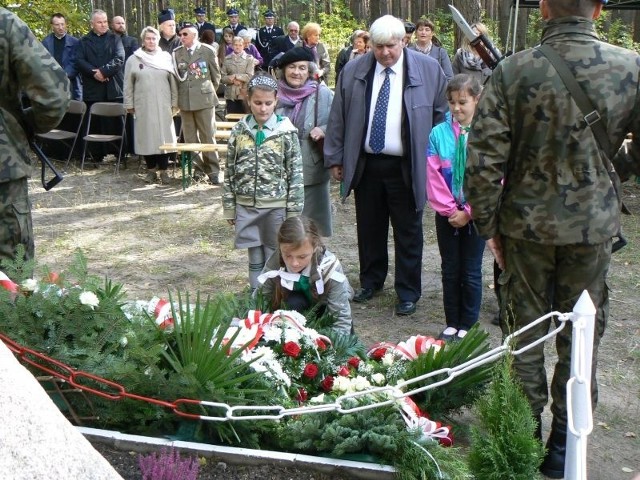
point(184, 25)
point(296, 54)
point(199, 11)
point(232, 11)
point(269, 14)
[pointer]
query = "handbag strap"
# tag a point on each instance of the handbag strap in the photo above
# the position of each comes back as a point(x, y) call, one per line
point(591, 115)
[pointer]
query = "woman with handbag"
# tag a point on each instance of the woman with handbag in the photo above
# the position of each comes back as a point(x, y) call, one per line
point(307, 101)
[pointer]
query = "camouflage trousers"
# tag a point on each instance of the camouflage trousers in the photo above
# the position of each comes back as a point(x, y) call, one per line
point(15, 219)
point(543, 278)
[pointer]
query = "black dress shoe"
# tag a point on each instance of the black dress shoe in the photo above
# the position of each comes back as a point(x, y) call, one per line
point(405, 308)
point(363, 295)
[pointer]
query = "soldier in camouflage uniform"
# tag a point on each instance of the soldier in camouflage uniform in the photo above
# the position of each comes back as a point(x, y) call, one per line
point(25, 67)
point(263, 181)
point(550, 224)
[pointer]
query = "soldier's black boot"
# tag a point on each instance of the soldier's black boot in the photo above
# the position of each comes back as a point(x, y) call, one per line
point(553, 464)
point(537, 434)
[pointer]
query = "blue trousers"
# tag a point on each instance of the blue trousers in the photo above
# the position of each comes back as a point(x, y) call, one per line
point(461, 251)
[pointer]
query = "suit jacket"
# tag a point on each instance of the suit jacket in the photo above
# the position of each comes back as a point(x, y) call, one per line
point(263, 39)
point(237, 28)
point(68, 62)
point(206, 26)
point(106, 53)
point(424, 105)
point(282, 44)
point(130, 45)
point(199, 77)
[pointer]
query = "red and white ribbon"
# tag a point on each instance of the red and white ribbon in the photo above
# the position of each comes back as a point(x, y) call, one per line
point(8, 284)
point(417, 345)
point(414, 418)
point(161, 311)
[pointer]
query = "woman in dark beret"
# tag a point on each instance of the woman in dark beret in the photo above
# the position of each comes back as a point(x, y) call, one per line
point(307, 101)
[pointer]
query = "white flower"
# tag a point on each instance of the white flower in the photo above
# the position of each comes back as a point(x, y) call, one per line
point(90, 299)
point(360, 383)
point(317, 399)
point(272, 334)
point(123, 342)
point(378, 378)
point(341, 384)
point(388, 359)
point(29, 285)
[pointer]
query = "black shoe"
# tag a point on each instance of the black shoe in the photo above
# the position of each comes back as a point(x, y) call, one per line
point(405, 308)
point(213, 179)
point(553, 463)
point(363, 295)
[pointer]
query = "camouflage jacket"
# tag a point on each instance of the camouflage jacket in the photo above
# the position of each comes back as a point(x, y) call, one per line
point(26, 67)
point(265, 176)
point(529, 131)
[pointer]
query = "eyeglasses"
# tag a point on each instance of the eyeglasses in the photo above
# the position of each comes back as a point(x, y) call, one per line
point(185, 34)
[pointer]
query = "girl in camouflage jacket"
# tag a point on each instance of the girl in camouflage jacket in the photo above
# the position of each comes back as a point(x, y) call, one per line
point(263, 177)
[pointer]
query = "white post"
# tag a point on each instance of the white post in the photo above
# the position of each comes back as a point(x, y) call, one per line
point(579, 409)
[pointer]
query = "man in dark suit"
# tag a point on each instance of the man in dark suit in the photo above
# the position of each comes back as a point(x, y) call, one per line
point(265, 35)
point(385, 104)
point(199, 77)
point(100, 61)
point(284, 43)
point(169, 40)
point(62, 47)
point(234, 22)
point(130, 44)
point(201, 22)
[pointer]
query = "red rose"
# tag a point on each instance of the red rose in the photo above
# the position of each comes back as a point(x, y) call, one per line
point(378, 353)
point(321, 345)
point(343, 371)
point(310, 370)
point(354, 362)
point(291, 349)
point(327, 383)
point(302, 395)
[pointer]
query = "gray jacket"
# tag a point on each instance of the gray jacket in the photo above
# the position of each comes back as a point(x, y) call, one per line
point(337, 289)
point(424, 106)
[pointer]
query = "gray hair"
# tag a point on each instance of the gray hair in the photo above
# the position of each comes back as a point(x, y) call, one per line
point(149, 29)
point(386, 29)
point(313, 68)
point(245, 34)
point(97, 12)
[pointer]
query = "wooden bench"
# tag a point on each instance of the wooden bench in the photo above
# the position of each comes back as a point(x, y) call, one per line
point(186, 150)
point(222, 134)
point(225, 125)
point(234, 116)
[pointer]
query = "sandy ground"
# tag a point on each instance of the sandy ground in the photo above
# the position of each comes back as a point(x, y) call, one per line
point(157, 238)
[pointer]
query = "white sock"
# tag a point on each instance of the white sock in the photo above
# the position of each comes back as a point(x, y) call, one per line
point(461, 333)
point(450, 331)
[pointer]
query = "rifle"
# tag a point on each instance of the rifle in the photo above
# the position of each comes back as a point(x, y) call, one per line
point(480, 43)
point(46, 163)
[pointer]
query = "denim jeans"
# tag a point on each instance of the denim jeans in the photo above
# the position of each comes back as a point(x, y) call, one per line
point(461, 251)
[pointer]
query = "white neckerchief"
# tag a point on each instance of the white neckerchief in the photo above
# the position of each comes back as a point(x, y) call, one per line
point(288, 279)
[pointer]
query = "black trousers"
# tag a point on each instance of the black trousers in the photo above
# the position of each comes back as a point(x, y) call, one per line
point(382, 195)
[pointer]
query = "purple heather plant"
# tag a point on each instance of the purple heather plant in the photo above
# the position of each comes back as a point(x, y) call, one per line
point(168, 465)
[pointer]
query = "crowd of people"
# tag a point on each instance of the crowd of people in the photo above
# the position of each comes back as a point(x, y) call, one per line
point(505, 159)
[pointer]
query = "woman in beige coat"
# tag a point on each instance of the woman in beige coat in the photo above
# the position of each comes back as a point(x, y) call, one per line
point(151, 95)
point(237, 70)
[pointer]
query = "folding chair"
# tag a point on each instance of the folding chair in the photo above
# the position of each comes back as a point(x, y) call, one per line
point(67, 137)
point(105, 109)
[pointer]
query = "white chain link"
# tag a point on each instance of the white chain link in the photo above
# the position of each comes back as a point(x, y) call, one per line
point(390, 394)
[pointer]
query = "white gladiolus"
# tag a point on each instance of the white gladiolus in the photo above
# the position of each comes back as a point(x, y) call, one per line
point(388, 359)
point(317, 399)
point(360, 383)
point(341, 384)
point(89, 299)
point(29, 285)
point(378, 378)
